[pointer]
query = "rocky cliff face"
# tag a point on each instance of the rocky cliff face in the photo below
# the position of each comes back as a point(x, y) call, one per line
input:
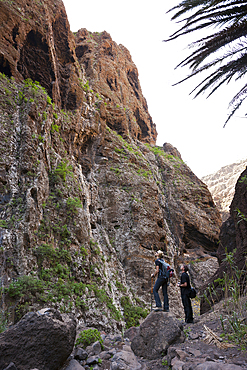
point(85, 196)
point(112, 73)
point(221, 185)
point(233, 242)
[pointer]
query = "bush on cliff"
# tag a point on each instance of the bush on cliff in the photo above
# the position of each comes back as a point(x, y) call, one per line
point(132, 314)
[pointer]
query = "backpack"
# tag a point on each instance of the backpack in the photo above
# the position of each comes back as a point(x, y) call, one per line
point(192, 293)
point(165, 271)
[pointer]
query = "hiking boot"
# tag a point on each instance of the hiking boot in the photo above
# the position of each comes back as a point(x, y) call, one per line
point(189, 321)
point(158, 308)
point(166, 310)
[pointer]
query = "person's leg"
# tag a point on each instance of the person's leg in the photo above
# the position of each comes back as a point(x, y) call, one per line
point(185, 304)
point(190, 311)
point(166, 300)
point(157, 285)
point(187, 308)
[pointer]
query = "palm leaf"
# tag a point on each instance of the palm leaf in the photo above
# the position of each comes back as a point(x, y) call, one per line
point(227, 48)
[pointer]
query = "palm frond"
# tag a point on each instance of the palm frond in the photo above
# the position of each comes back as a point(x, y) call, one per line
point(227, 48)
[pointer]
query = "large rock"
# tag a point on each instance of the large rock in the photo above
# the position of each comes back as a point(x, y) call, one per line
point(125, 360)
point(158, 331)
point(42, 340)
point(74, 365)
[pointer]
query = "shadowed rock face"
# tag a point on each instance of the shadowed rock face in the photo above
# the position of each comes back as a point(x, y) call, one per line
point(82, 208)
point(233, 238)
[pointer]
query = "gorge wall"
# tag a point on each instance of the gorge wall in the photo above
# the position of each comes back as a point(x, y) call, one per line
point(221, 185)
point(85, 195)
point(232, 248)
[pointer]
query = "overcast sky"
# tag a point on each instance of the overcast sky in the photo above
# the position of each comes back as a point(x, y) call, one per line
point(193, 126)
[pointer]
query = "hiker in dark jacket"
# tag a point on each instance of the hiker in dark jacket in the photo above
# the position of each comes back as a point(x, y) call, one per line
point(160, 282)
point(185, 289)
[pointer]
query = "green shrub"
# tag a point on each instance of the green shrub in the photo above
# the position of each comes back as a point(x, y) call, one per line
point(73, 204)
point(63, 169)
point(89, 336)
point(27, 286)
point(84, 252)
point(54, 128)
point(3, 224)
point(41, 139)
point(120, 286)
point(132, 314)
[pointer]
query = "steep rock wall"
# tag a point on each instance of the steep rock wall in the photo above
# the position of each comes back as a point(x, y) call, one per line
point(233, 240)
point(82, 208)
point(111, 71)
point(221, 185)
point(36, 42)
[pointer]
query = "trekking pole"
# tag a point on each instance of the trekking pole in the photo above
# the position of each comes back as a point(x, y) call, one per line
point(151, 290)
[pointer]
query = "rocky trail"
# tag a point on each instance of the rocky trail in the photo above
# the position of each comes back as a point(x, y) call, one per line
point(193, 353)
point(161, 342)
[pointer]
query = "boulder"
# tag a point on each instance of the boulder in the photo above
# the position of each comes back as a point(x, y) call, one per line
point(74, 365)
point(157, 332)
point(42, 340)
point(177, 364)
point(125, 360)
point(92, 360)
point(131, 332)
point(80, 354)
point(97, 348)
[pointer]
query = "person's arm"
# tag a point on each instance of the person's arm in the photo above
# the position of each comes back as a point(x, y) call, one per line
point(156, 271)
point(183, 283)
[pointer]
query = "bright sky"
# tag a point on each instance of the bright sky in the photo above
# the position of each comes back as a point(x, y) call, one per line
point(193, 126)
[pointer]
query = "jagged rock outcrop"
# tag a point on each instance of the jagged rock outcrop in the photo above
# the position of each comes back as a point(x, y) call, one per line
point(112, 73)
point(82, 208)
point(221, 185)
point(233, 240)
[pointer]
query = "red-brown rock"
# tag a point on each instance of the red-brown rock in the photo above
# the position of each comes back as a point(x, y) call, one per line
point(36, 42)
point(111, 71)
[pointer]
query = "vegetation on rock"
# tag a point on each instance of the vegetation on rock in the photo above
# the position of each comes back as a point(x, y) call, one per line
point(132, 314)
point(87, 337)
